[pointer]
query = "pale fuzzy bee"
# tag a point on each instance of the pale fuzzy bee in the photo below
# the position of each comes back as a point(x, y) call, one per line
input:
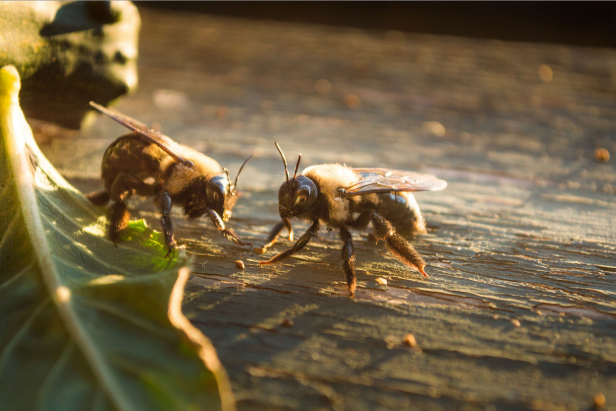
point(342, 197)
point(149, 163)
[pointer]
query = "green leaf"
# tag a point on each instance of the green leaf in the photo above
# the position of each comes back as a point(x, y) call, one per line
point(86, 325)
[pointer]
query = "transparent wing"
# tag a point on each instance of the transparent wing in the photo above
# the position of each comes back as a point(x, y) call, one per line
point(383, 180)
point(155, 137)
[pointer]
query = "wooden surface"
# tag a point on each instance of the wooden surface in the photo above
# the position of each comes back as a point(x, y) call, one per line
point(520, 310)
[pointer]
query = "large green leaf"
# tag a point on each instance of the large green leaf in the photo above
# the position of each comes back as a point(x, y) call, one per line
point(85, 325)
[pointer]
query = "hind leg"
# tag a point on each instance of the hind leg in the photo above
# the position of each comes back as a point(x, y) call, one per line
point(122, 189)
point(349, 259)
point(118, 216)
point(397, 245)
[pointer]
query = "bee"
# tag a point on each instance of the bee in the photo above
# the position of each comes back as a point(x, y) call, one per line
point(148, 163)
point(342, 197)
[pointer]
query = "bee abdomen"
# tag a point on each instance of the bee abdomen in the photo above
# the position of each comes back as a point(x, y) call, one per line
point(402, 211)
point(129, 154)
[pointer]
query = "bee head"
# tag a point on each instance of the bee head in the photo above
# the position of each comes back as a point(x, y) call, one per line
point(218, 192)
point(296, 195)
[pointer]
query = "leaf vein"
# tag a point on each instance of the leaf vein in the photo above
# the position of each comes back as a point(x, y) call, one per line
point(15, 277)
point(8, 230)
point(125, 316)
point(81, 247)
point(52, 374)
point(132, 249)
point(20, 334)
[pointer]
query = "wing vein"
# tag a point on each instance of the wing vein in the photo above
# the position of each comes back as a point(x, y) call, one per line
point(382, 180)
point(155, 137)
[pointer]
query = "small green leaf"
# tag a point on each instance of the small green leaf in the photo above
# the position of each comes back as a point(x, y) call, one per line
point(85, 324)
point(139, 232)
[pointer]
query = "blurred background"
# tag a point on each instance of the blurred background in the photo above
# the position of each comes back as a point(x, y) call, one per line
point(577, 23)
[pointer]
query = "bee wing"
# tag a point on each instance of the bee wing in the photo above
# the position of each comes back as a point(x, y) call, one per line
point(383, 180)
point(155, 137)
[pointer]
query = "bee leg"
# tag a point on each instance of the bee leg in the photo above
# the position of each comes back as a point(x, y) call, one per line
point(99, 198)
point(349, 259)
point(273, 235)
point(118, 216)
point(362, 220)
point(289, 227)
point(220, 226)
point(165, 220)
point(396, 244)
point(121, 190)
point(301, 243)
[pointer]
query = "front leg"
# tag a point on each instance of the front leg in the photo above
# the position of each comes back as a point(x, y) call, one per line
point(301, 243)
point(349, 259)
point(165, 220)
point(220, 226)
point(273, 235)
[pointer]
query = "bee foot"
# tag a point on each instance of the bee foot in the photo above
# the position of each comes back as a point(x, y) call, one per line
point(352, 288)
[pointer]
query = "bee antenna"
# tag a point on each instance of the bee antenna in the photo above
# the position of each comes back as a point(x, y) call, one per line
point(239, 172)
point(227, 173)
point(297, 166)
point(284, 160)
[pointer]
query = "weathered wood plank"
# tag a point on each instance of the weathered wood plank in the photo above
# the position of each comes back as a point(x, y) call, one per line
point(524, 234)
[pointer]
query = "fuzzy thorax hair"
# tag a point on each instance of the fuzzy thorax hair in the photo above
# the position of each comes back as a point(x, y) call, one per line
point(183, 175)
point(330, 177)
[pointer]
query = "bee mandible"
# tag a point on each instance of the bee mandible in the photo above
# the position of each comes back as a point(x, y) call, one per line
point(343, 197)
point(148, 163)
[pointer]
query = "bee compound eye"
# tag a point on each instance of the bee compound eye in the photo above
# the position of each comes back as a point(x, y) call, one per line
point(189, 163)
point(300, 199)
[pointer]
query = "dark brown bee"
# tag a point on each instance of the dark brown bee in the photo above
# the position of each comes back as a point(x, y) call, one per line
point(342, 197)
point(148, 163)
